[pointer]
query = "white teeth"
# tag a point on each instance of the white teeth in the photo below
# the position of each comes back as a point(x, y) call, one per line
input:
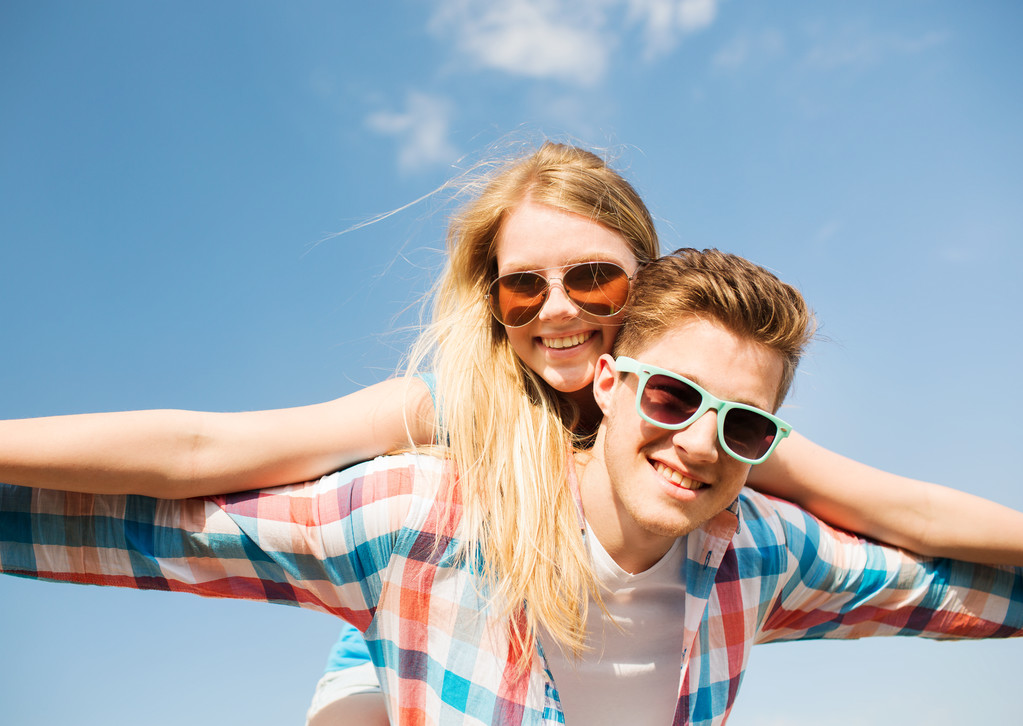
point(568, 342)
point(675, 477)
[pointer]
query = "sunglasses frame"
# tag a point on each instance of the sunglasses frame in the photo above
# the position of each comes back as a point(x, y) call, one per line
point(490, 297)
point(624, 364)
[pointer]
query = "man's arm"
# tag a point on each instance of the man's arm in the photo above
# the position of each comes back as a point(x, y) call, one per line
point(301, 545)
point(829, 584)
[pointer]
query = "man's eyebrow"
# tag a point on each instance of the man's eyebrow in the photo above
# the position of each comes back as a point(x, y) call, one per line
point(745, 401)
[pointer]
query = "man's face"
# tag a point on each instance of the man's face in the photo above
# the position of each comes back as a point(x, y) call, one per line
point(659, 484)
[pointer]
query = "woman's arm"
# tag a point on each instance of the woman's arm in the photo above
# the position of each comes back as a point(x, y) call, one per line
point(929, 519)
point(176, 454)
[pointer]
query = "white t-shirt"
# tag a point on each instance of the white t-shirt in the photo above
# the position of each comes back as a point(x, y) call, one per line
point(630, 675)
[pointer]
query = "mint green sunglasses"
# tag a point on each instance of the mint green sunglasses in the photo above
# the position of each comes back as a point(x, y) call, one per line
point(673, 402)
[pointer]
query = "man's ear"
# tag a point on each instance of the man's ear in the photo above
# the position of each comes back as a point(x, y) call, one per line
point(604, 378)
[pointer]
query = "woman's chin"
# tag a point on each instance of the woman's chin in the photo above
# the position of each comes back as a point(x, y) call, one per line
point(575, 389)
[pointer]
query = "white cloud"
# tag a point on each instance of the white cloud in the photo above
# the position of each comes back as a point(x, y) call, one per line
point(666, 21)
point(861, 47)
point(564, 40)
point(696, 14)
point(824, 234)
point(421, 131)
point(533, 38)
point(957, 254)
point(749, 48)
point(922, 43)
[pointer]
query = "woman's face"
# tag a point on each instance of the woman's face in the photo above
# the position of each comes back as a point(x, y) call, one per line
point(562, 343)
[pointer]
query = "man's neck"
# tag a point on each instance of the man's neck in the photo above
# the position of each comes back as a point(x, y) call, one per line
point(633, 549)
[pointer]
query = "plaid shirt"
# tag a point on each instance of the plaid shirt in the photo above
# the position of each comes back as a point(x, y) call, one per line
point(376, 545)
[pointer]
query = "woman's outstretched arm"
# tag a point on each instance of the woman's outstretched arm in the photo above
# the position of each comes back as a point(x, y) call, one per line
point(177, 454)
point(929, 519)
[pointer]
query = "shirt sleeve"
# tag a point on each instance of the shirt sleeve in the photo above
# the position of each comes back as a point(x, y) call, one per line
point(320, 545)
point(829, 584)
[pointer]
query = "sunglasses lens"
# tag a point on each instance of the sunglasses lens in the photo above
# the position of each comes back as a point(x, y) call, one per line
point(598, 288)
point(670, 401)
point(749, 434)
point(516, 299)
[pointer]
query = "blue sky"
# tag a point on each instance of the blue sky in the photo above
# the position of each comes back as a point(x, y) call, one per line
point(173, 177)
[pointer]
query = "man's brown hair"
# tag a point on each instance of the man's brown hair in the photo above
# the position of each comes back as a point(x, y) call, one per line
point(727, 289)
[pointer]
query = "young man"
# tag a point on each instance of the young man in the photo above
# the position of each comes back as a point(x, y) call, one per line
point(694, 570)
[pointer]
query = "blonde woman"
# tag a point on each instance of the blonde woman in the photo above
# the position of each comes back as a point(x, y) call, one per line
point(533, 294)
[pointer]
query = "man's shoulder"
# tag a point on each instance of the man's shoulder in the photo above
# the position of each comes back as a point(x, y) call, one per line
point(765, 519)
point(406, 473)
point(409, 464)
point(769, 523)
point(752, 506)
point(765, 536)
point(425, 464)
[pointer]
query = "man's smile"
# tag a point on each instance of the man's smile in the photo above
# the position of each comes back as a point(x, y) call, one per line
point(676, 477)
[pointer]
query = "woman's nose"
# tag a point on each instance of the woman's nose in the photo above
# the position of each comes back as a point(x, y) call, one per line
point(558, 306)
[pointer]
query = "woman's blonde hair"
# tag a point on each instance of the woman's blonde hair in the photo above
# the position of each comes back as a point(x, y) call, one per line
point(508, 432)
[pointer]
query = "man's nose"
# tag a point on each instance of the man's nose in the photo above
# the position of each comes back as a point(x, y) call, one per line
point(700, 438)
